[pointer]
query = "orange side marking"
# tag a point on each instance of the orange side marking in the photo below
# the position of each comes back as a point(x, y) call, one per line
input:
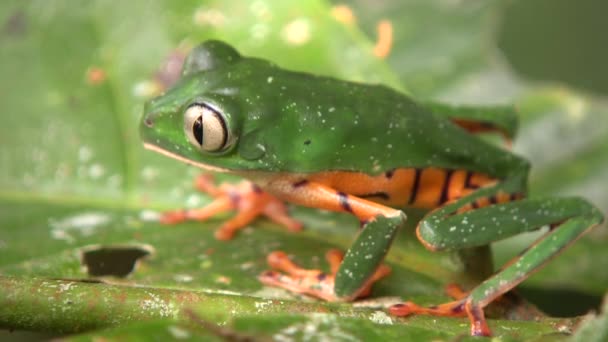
point(395, 187)
point(464, 208)
point(475, 126)
point(401, 186)
point(480, 127)
point(315, 195)
point(502, 197)
point(482, 202)
point(456, 184)
point(429, 189)
point(480, 180)
point(397, 184)
point(350, 182)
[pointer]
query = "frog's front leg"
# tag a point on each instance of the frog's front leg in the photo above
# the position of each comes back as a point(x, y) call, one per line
point(360, 268)
point(246, 198)
point(451, 228)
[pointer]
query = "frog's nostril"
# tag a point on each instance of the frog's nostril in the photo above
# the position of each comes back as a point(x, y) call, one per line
point(148, 121)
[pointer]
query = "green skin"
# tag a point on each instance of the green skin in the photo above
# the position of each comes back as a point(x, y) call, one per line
point(284, 122)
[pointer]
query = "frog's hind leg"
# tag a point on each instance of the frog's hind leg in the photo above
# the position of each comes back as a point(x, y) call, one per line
point(247, 199)
point(448, 229)
point(312, 282)
point(495, 119)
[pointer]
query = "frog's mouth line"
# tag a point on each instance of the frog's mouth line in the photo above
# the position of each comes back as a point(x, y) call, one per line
point(185, 160)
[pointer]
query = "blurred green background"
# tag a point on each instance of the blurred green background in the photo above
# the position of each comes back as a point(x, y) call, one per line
point(559, 41)
point(74, 177)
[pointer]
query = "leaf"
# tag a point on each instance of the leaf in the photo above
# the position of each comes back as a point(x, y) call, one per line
point(594, 327)
point(74, 178)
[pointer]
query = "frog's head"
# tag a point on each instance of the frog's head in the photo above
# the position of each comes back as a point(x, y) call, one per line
point(199, 120)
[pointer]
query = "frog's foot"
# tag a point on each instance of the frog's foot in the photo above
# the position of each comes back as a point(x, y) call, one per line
point(313, 282)
point(457, 308)
point(246, 198)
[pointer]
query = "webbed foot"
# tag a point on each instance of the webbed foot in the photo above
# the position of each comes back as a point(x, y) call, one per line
point(313, 282)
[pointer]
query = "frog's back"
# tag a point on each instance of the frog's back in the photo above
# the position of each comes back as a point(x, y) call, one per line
point(322, 124)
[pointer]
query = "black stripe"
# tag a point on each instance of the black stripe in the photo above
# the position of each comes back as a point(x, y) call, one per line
point(458, 308)
point(467, 180)
point(512, 196)
point(446, 187)
point(300, 183)
point(343, 198)
point(493, 199)
point(256, 188)
point(474, 204)
point(389, 173)
point(414, 191)
point(380, 194)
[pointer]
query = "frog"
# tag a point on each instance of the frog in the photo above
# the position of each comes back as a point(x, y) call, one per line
point(363, 149)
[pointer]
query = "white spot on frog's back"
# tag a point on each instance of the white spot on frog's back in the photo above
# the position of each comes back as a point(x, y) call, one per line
point(297, 32)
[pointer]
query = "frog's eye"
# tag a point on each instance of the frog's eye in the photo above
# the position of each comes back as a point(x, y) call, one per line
point(205, 127)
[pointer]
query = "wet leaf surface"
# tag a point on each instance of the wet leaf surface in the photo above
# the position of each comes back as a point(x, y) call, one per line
point(75, 179)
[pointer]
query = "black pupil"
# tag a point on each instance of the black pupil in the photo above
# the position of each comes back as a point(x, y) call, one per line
point(197, 130)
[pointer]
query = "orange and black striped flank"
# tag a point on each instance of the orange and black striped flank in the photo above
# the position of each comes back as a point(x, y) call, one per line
point(418, 187)
point(415, 186)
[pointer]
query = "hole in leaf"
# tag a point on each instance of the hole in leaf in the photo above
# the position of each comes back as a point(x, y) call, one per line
point(117, 261)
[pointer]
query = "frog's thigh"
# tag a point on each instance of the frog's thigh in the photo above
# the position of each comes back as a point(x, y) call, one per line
point(317, 195)
point(477, 119)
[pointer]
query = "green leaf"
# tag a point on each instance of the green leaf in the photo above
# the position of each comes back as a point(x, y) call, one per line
point(594, 327)
point(78, 193)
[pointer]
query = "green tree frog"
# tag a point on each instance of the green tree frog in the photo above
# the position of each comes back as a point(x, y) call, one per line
point(367, 150)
